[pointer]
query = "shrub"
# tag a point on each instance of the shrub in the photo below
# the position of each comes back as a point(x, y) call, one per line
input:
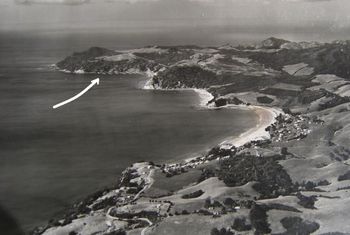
point(306, 202)
point(239, 224)
point(264, 99)
point(195, 194)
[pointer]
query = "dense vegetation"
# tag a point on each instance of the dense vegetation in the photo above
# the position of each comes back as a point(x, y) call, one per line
point(272, 180)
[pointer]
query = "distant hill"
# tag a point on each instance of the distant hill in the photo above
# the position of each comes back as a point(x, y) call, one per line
point(271, 43)
point(301, 166)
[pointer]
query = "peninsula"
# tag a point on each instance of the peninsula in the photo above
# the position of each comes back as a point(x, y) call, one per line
point(288, 175)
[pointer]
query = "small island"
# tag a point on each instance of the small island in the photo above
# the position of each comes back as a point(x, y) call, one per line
point(288, 175)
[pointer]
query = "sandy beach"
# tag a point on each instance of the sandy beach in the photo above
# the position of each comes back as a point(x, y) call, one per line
point(265, 172)
point(267, 117)
point(204, 97)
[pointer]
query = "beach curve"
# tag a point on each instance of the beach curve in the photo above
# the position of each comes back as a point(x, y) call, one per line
point(266, 116)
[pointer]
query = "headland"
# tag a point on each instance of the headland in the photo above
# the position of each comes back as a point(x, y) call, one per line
point(288, 175)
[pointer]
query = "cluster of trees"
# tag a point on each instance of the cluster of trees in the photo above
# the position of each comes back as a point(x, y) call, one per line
point(272, 179)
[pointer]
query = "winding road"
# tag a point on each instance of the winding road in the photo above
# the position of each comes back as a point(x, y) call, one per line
point(149, 182)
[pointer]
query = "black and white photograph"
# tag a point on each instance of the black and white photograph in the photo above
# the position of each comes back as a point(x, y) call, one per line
point(174, 117)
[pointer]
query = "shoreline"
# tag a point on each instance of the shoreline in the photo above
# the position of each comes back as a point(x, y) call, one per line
point(267, 116)
point(204, 95)
point(144, 170)
point(284, 172)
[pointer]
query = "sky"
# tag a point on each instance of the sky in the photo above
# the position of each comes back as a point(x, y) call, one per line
point(295, 19)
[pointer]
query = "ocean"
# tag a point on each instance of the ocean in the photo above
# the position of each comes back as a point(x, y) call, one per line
point(51, 158)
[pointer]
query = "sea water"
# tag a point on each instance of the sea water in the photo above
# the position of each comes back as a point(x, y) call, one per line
point(50, 158)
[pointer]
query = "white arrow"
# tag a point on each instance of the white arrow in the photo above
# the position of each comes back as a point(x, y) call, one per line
point(93, 82)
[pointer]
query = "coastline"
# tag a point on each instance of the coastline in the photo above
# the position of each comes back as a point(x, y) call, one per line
point(285, 163)
point(204, 95)
point(266, 116)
